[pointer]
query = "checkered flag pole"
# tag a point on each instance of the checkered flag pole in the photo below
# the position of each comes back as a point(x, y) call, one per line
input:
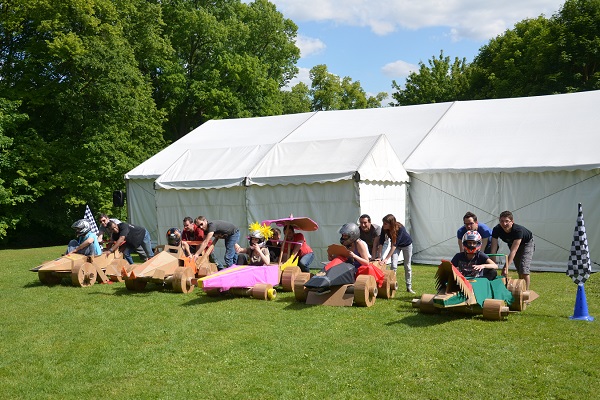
point(89, 217)
point(579, 267)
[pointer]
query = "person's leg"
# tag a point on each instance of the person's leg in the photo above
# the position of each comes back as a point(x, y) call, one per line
point(230, 254)
point(395, 255)
point(147, 245)
point(242, 259)
point(72, 246)
point(523, 261)
point(305, 261)
point(407, 253)
point(127, 254)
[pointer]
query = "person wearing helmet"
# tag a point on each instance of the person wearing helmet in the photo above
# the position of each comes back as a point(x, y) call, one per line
point(350, 238)
point(173, 237)
point(471, 224)
point(472, 261)
point(400, 241)
point(86, 242)
point(257, 252)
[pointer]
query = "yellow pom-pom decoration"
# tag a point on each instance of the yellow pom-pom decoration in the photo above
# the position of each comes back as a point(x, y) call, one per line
point(264, 230)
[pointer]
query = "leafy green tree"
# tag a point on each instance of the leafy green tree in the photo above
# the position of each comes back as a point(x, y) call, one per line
point(521, 62)
point(297, 100)
point(233, 59)
point(14, 189)
point(91, 113)
point(578, 44)
point(441, 81)
point(329, 92)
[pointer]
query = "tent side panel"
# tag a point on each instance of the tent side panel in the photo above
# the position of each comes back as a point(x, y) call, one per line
point(141, 205)
point(545, 203)
point(329, 204)
point(225, 204)
point(379, 199)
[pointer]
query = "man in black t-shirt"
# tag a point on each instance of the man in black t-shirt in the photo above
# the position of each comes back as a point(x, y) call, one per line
point(215, 230)
point(133, 237)
point(520, 244)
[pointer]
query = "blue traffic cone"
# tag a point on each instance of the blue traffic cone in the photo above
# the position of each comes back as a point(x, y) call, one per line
point(581, 308)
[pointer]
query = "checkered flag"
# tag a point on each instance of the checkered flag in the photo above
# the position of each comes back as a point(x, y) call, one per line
point(579, 267)
point(89, 217)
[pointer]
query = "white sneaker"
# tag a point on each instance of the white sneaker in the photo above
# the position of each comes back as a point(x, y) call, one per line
point(409, 290)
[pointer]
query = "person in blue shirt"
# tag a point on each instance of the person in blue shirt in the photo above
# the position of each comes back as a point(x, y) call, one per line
point(86, 242)
point(471, 224)
point(400, 241)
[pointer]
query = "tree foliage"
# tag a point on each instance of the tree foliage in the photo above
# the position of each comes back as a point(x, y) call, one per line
point(441, 81)
point(329, 92)
point(537, 56)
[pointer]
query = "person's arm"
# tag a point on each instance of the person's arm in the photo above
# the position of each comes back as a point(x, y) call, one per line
point(484, 243)
point(83, 245)
point(461, 248)
point(375, 247)
point(264, 255)
point(489, 263)
point(494, 247)
point(363, 255)
point(238, 248)
point(204, 244)
point(511, 255)
point(389, 255)
point(117, 244)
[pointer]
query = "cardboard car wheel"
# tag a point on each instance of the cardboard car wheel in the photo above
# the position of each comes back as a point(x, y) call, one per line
point(365, 290)
point(390, 285)
point(182, 280)
point(300, 291)
point(426, 304)
point(135, 285)
point(261, 291)
point(48, 278)
point(83, 275)
point(517, 287)
point(288, 277)
point(492, 309)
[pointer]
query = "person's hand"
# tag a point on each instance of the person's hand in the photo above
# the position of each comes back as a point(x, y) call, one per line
point(351, 254)
point(504, 271)
point(478, 267)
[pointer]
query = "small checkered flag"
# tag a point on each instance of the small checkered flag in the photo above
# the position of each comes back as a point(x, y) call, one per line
point(579, 267)
point(89, 217)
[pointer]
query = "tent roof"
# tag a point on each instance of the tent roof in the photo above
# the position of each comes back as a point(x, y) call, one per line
point(286, 163)
point(529, 134)
point(556, 132)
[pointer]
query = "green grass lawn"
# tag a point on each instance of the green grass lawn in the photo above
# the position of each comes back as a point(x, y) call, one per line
point(105, 342)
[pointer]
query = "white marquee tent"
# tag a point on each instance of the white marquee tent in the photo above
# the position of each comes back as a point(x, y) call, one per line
point(534, 156)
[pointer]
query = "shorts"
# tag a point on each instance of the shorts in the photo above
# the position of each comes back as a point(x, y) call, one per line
point(523, 257)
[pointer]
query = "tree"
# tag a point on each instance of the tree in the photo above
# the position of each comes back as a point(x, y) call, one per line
point(328, 92)
point(233, 59)
point(91, 113)
point(521, 62)
point(578, 44)
point(297, 100)
point(439, 82)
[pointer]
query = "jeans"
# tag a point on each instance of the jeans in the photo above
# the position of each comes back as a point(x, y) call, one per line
point(88, 251)
point(305, 261)
point(407, 253)
point(144, 251)
point(230, 254)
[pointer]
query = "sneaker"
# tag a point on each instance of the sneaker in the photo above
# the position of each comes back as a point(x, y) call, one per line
point(409, 290)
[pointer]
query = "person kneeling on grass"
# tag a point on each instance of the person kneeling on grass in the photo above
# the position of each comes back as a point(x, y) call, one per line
point(472, 262)
point(256, 253)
